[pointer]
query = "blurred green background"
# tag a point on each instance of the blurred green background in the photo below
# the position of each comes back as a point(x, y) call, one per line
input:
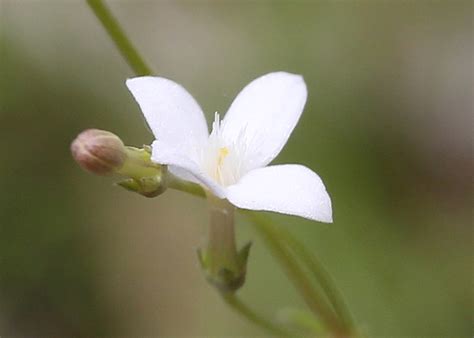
point(388, 126)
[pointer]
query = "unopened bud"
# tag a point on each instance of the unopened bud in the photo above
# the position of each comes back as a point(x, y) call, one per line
point(98, 151)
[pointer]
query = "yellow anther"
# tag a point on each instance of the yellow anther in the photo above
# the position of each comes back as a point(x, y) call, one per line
point(223, 152)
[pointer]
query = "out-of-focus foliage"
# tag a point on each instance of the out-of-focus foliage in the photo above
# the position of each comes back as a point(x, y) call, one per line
point(388, 125)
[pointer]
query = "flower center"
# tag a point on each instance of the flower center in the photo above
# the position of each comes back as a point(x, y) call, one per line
point(221, 159)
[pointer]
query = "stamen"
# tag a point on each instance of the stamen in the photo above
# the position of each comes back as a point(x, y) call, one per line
point(223, 152)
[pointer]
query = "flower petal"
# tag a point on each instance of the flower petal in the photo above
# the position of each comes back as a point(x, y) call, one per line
point(171, 112)
point(289, 189)
point(264, 114)
point(184, 167)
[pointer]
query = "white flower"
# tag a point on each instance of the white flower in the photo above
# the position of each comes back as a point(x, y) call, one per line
point(231, 162)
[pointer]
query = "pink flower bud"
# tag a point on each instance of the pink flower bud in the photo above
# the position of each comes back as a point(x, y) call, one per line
point(98, 151)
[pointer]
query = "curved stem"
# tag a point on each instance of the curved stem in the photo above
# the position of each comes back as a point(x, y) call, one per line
point(118, 36)
point(321, 275)
point(233, 301)
point(303, 284)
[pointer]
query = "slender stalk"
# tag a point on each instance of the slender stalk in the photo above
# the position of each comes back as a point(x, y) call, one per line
point(303, 284)
point(188, 187)
point(233, 301)
point(321, 275)
point(116, 33)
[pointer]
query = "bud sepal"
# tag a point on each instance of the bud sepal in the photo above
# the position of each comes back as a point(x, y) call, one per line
point(150, 186)
point(143, 176)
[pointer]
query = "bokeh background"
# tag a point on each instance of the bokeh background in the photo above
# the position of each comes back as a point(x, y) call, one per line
point(388, 126)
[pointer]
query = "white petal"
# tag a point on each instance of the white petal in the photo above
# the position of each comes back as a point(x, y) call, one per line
point(171, 112)
point(264, 114)
point(184, 167)
point(289, 189)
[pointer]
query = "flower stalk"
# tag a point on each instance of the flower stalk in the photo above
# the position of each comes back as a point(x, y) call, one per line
point(321, 275)
point(311, 295)
point(235, 303)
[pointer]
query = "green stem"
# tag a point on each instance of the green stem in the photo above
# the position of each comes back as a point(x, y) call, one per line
point(321, 275)
point(303, 284)
point(233, 301)
point(116, 33)
point(184, 186)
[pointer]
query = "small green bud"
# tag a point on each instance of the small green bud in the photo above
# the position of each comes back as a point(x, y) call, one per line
point(98, 151)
